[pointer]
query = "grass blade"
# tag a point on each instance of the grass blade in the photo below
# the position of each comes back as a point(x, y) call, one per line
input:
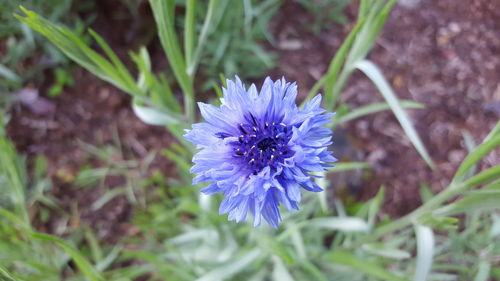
point(76, 49)
point(231, 268)
point(483, 271)
point(476, 156)
point(163, 16)
point(212, 5)
point(425, 252)
point(189, 29)
point(280, 271)
point(373, 108)
point(486, 198)
point(155, 116)
point(83, 264)
point(9, 74)
point(369, 268)
point(5, 276)
point(348, 166)
point(386, 91)
point(347, 224)
point(11, 165)
point(119, 66)
point(335, 67)
point(362, 43)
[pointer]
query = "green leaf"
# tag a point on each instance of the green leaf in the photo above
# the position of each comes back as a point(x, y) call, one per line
point(158, 89)
point(9, 74)
point(425, 192)
point(370, 26)
point(385, 251)
point(485, 199)
point(297, 240)
point(373, 108)
point(368, 268)
point(483, 271)
point(207, 24)
point(231, 268)
point(378, 79)
point(76, 49)
point(347, 224)
point(438, 222)
point(494, 132)
point(95, 249)
point(484, 176)
point(189, 30)
point(119, 66)
point(474, 157)
point(13, 169)
point(279, 270)
point(108, 196)
point(182, 163)
point(374, 206)
point(313, 271)
point(83, 264)
point(425, 252)
point(348, 166)
point(155, 116)
point(162, 11)
point(367, 35)
point(109, 259)
point(334, 68)
point(5, 276)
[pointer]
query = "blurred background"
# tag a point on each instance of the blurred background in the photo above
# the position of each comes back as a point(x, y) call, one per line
point(85, 149)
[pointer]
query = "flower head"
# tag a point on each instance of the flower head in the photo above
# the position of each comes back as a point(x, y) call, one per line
point(259, 148)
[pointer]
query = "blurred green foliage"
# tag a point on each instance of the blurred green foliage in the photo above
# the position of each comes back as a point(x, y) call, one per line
point(236, 45)
point(326, 12)
point(27, 55)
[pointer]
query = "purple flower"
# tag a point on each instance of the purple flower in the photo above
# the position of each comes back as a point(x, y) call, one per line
point(259, 148)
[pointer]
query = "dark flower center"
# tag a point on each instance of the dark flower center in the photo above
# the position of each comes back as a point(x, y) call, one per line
point(261, 144)
point(267, 143)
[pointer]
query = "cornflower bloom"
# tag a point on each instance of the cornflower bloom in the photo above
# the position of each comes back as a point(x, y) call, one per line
point(259, 149)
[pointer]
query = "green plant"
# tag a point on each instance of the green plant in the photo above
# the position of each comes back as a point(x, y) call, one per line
point(22, 248)
point(28, 56)
point(234, 47)
point(326, 12)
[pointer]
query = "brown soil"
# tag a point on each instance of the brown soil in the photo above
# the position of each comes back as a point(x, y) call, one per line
point(438, 53)
point(441, 54)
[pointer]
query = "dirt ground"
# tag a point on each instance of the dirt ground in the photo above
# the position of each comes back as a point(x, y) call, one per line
point(439, 53)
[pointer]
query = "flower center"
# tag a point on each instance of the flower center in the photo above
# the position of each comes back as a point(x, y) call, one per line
point(261, 145)
point(266, 144)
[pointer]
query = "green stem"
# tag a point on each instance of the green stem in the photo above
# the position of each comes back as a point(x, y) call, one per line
point(337, 88)
point(453, 190)
point(193, 65)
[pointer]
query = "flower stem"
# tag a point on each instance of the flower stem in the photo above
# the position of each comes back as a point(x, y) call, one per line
point(453, 189)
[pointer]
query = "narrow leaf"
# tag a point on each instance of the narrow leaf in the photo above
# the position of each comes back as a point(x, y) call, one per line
point(154, 116)
point(348, 166)
point(369, 268)
point(474, 157)
point(425, 252)
point(373, 108)
point(189, 29)
point(347, 224)
point(163, 16)
point(485, 199)
point(226, 271)
point(83, 264)
point(378, 79)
